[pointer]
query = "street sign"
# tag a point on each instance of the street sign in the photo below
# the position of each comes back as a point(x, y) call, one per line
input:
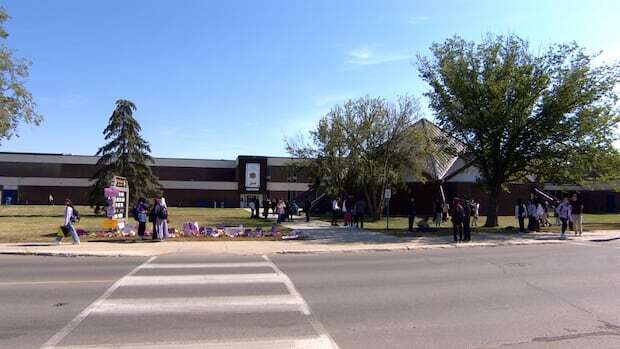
point(387, 194)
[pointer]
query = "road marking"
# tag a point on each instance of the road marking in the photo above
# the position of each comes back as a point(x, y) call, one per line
point(316, 324)
point(593, 244)
point(21, 283)
point(214, 279)
point(320, 342)
point(205, 265)
point(193, 305)
point(65, 331)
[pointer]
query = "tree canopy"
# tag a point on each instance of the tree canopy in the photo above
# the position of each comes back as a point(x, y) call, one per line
point(126, 154)
point(551, 116)
point(16, 103)
point(363, 147)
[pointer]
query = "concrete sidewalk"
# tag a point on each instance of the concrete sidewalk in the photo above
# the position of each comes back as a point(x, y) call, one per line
point(321, 237)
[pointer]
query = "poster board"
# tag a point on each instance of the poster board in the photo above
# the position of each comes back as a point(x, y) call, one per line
point(252, 176)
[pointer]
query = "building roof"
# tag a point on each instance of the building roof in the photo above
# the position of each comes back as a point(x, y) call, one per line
point(442, 160)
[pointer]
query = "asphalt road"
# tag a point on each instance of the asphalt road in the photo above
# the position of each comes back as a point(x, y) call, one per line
point(549, 296)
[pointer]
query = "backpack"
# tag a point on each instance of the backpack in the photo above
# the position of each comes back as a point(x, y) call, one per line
point(75, 217)
point(163, 213)
point(134, 213)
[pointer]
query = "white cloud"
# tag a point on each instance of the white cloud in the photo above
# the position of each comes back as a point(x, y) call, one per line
point(368, 56)
point(329, 100)
point(419, 19)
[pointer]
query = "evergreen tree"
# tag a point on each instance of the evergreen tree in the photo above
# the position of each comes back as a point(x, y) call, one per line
point(126, 155)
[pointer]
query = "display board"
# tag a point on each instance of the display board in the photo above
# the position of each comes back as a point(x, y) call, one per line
point(117, 197)
point(252, 176)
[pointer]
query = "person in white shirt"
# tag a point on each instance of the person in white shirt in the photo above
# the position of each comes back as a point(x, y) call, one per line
point(564, 213)
point(335, 209)
point(70, 220)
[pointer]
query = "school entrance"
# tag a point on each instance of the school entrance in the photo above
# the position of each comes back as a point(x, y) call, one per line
point(245, 199)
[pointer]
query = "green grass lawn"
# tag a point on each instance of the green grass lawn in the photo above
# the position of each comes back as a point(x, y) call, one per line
point(40, 223)
point(399, 225)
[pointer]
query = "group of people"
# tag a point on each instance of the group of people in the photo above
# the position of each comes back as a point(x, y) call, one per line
point(568, 213)
point(464, 213)
point(352, 211)
point(442, 210)
point(157, 215)
point(284, 210)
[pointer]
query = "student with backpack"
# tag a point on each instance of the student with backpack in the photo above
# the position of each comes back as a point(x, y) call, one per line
point(161, 219)
point(140, 214)
point(72, 217)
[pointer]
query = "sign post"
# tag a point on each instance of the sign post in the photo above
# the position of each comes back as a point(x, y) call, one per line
point(117, 197)
point(387, 195)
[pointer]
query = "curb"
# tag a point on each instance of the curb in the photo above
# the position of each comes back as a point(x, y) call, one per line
point(300, 251)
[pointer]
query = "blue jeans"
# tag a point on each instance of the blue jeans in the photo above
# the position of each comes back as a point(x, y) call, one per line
point(74, 235)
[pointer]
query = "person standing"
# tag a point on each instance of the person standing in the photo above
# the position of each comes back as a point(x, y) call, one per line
point(531, 216)
point(252, 207)
point(307, 205)
point(412, 212)
point(360, 210)
point(475, 212)
point(445, 208)
point(438, 213)
point(161, 219)
point(466, 204)
point(140, 215)
point(266, 205)
point(457, 220)
point(281, 211)
point(71, 217)
point(564, 213)
point(335, 209)
point(520, 214)
point(153, 219)
point(50, 200)
point(256, 208)
point(576, 214)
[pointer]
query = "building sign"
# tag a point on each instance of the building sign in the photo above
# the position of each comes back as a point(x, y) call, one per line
point(252, 176)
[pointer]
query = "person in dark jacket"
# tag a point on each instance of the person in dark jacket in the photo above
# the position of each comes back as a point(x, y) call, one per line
point(307, 205)
point(520, 214)
point(153, 218)
point(360, 210)
point(457, 219)
point(266, 205)
point(141, 215)
point(411, 213)
point(466, 219)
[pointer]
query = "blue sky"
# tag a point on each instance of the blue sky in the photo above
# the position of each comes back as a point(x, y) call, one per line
point(214, 79)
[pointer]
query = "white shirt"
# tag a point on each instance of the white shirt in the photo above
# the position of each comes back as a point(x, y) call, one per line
point(68, 214)
point(335, 205)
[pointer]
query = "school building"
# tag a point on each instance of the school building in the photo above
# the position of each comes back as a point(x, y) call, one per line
point(29, 178)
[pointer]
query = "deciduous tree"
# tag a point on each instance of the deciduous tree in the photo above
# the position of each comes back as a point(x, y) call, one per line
point(16, 103)
point(551, 116)
point(363, 147)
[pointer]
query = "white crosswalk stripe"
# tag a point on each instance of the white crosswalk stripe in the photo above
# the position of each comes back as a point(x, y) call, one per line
point(240, 304)
point(204, 265)
point(291, 302)
point(213, 279)
point(319, 342)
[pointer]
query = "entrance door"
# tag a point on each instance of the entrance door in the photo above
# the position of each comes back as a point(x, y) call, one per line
point(245, 199)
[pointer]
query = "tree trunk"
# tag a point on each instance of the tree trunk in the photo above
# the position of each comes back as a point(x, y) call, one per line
point(492, 207)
